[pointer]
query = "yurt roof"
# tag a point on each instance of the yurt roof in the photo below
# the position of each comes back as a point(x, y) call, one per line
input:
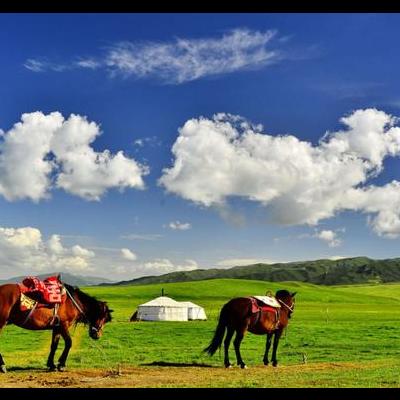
point(189, 304)
point(162, 301)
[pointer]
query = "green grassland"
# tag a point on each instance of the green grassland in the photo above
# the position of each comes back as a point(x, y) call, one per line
point(355, 324)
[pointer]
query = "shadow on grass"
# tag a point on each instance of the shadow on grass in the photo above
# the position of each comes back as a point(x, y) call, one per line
point(173, 364)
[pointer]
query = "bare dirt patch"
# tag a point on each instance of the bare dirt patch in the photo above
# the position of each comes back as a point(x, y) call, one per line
point(179, 376)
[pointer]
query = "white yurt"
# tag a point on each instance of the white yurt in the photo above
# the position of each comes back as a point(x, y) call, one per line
point(162, 309)
point(195, 312)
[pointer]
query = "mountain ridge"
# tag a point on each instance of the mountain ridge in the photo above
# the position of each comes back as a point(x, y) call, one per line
point(322, 271)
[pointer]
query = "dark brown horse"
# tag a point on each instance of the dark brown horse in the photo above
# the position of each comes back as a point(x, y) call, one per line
point(78, 307)
point(237, 316)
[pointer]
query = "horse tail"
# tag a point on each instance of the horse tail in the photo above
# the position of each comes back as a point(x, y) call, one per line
point(216, 341)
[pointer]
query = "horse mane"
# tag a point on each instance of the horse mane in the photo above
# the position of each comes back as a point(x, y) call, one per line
point(92, 305)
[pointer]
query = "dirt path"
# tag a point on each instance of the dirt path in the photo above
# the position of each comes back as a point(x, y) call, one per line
point(311, 375)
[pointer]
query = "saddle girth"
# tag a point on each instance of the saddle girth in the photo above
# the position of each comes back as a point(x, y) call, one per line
point(258, 309)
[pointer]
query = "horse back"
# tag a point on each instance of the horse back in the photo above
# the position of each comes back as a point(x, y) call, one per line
point(259, 320)
point(9, 295)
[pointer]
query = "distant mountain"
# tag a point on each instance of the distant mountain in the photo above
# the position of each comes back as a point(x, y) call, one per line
point(325, 272)
point(74, 280)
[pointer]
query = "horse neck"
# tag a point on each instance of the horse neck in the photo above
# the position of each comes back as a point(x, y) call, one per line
point(78, 303)
point(284, 313)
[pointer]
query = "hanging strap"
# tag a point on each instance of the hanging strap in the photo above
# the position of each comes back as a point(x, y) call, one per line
point(75, 303)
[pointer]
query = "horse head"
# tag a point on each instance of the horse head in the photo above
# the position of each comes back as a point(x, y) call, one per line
point(98, 318)
point(286, 300)
point(93, 312)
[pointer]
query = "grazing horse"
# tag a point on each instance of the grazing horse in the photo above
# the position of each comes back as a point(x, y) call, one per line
point(238, 316)
point(77, 308)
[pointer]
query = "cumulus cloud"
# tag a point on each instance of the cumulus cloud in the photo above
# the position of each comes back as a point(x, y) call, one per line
point(128, 254)
point(180, 226)
point(43, 151)
point(181, 60)
point(158, 266)
point(298, 182)
point(164, 265)
point(328, 236)
point(23, 250)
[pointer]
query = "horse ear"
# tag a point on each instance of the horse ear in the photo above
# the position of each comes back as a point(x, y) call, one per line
point(294, 294)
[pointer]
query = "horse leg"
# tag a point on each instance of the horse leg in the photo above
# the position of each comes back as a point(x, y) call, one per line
point(54, 344)
point(238, 339)
point(277, 336)
point(3, 368)
point(68, 344)
point(227, 342)
point(267, 347)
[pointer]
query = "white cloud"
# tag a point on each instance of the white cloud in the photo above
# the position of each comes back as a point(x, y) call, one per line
point(128, 254)
point(328, 236)
point(158, 266)
point(181, 60)
point(24, 169)
point(146, 236)
point(180, 226)
point(45, 148)
point(152, 141)
point(335, 258)
point(23, 250)
point(189, 59)
point(89, 63)
point(35, 65)
point(54, 245)
point(299, 182)
point(41, 65)
point(139, 142)
point(163, 266)
point(81, 251)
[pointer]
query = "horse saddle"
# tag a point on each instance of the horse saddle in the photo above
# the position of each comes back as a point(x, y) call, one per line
point(265, 304)
point(47, 293)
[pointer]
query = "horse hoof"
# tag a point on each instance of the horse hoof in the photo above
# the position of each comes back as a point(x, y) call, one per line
point(275, 364)
point(266, 363)
point(3, 369)
point(243, 366)
point(61, 368)
point(228, 366)
point(52, 368)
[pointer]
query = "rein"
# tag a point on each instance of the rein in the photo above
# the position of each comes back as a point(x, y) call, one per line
point(282, 302)
point(93, 328)
point(76, 304)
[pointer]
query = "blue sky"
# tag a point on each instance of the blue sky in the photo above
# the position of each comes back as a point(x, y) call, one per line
point(164, 166)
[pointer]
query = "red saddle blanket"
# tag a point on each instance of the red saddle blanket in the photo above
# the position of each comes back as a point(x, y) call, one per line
point(48, 291)
point(257, 305)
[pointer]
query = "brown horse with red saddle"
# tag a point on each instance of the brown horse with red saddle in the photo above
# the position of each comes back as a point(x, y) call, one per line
point(261, 315)
point(52, 305)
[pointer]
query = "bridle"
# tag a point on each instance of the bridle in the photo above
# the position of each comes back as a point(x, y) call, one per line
point(92, 328)
point(288, 307)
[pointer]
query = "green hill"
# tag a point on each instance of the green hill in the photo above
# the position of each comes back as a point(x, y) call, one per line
point(349, 335)
point(326, 272)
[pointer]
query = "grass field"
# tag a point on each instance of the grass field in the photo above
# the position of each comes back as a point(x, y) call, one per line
point(343, 336)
